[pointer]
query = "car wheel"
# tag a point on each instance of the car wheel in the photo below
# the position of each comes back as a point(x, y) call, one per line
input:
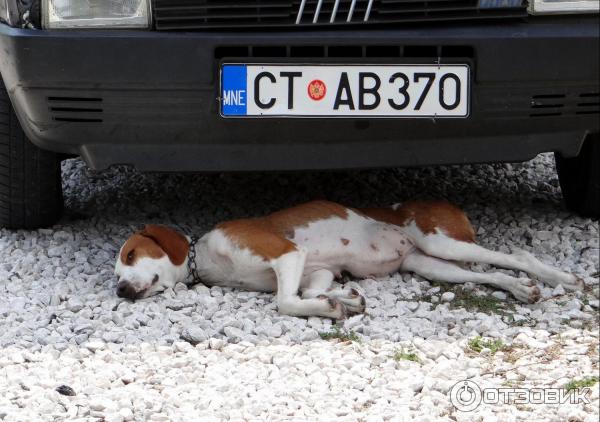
point(580, 178)
point(30, 184)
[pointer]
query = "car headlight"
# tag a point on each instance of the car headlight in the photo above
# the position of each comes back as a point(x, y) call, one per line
point(96, 13)
point(539, 7)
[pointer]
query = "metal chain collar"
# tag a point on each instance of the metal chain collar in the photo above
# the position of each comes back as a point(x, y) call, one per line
point(192, 264)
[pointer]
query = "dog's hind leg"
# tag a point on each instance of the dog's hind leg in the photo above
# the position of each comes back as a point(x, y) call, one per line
point(442, 246)
point(442, 230)
point(436, 269)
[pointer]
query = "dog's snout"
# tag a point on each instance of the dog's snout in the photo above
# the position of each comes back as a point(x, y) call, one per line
point(126, 290)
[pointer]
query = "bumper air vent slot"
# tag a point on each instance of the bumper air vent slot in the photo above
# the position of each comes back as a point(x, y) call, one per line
point(552, 105)
point(76, 109)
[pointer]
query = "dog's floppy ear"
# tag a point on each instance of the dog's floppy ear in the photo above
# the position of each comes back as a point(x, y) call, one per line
point(171, 241)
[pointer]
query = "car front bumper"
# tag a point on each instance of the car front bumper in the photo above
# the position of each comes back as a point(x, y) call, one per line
point(151, 98)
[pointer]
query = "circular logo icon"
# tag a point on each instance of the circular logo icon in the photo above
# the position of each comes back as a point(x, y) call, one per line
point(317, 90)
point(465, 396)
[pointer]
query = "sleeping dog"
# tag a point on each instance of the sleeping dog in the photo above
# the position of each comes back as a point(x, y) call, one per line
point(299, 253)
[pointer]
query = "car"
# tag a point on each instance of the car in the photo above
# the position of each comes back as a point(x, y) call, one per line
point(255, 85)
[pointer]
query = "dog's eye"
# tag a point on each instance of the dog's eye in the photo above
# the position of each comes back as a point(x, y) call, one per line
point(130, 256)
point(155, 279)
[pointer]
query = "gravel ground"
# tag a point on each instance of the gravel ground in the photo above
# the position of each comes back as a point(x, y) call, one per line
point(213, 354)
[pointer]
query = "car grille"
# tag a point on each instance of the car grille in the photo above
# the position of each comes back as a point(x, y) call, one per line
point(215, 14)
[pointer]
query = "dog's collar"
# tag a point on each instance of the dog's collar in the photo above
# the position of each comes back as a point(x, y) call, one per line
point(192, 264)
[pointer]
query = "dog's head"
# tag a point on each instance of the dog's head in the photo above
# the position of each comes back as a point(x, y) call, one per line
point(150, 261)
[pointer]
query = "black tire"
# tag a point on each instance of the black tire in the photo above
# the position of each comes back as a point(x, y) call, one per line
point(580, 178)
point(30, 184)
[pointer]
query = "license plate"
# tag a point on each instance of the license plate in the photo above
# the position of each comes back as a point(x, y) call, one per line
point(288, 90)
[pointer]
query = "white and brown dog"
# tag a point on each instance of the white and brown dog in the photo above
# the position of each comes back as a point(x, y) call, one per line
point(299, 252)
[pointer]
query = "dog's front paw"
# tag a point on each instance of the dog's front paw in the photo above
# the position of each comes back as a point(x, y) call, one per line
point(337, 310)
point(355, 302)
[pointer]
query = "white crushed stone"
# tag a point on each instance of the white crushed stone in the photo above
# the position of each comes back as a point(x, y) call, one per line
point(276, 380)
point(448, 297)
point(220, 353)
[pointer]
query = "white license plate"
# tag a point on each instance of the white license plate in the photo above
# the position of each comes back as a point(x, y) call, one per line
point(288, 90)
